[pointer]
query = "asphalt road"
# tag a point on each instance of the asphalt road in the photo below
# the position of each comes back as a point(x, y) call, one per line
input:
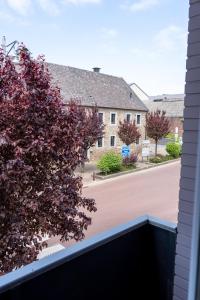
point(119, 200)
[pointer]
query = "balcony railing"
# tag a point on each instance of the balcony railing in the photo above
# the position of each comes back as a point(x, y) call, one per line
point(132, 261)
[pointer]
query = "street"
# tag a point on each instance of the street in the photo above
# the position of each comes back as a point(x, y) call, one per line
point(154, 192)
point(119, 200)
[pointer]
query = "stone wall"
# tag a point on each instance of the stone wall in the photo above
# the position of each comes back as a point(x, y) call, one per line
point(110, 130)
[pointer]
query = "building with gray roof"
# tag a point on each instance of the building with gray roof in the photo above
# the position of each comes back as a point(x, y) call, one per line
point(94, 87)
point(113, 96)
point(173, 105)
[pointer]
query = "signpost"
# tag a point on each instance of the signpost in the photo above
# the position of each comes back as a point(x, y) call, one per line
point(145, 149)
point(176, 135)
point(125, 151)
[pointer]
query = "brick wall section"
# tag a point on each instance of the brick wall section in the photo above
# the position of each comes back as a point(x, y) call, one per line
point(189, 158)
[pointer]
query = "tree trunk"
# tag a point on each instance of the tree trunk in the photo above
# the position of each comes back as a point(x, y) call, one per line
point(83, 162)
point(156, 148)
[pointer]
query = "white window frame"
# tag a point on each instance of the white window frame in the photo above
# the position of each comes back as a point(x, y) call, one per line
point(113, 112)
point(102, 144)
point(140, 119)
point(131, 116)
point(102, 112)
point(115, 141)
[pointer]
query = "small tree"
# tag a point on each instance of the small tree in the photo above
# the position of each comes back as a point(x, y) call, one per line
point(93, 127)
point(157, 126)
point(128, 132)
point(41, 144)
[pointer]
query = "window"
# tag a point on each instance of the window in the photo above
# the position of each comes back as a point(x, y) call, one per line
point(138, 119)
point(138, 141)
point(112, 141)
point(113, 118)
point(128, 117)
point(100, 142)
point(101, 117)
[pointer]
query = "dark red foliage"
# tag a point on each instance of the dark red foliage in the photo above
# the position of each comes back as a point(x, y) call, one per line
point(157, 126)
point(128, 132)
point(93, 127)
point(130, 160)
point(41, 144)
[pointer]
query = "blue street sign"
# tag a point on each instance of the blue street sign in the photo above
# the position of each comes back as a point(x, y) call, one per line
point(125, 151)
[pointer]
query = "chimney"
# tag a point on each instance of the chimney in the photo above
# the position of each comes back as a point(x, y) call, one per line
point(97, 70)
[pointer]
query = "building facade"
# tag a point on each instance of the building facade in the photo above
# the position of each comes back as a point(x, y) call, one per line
point(173, 105)
point(114, 98)
point(111, 140)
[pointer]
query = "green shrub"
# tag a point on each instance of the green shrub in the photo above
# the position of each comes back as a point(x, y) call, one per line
point(160, 158)
point(170, 136)
point(173, 149)
point(156, 160)
point(110, 162)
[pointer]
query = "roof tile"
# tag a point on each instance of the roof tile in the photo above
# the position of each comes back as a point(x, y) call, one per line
point(92, 87)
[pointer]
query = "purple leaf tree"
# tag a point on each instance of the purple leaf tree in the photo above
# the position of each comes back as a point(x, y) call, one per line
point(41, 144)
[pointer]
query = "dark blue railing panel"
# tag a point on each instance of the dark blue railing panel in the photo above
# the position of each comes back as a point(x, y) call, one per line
point(127, 260)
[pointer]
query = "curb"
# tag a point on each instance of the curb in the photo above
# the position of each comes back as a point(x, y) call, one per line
point(165, 162)
point(120, 173)
point(149, 166)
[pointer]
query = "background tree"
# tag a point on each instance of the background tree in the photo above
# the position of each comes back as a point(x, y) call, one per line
point(128, 132)
point(157, 126)
point(93, 127)
point(41, 144)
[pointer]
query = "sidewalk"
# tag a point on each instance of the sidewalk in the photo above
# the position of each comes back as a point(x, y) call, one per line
point(90, 168)
point(87, 173)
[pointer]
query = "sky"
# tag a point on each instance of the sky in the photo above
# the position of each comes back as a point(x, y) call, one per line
point(143, 41)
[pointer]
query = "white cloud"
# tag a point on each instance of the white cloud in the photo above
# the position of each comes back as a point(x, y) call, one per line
point(109, 33)
point(170, 38)
point(52, 7)
point(49, 6)
point(20, 6)
point(77, 2)
point(160, 64)
point(141, 5)
point(167, 41)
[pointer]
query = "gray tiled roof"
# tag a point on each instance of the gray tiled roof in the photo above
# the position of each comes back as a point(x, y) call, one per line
point(174, 107)
point(168, 97)
point(91, 87)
